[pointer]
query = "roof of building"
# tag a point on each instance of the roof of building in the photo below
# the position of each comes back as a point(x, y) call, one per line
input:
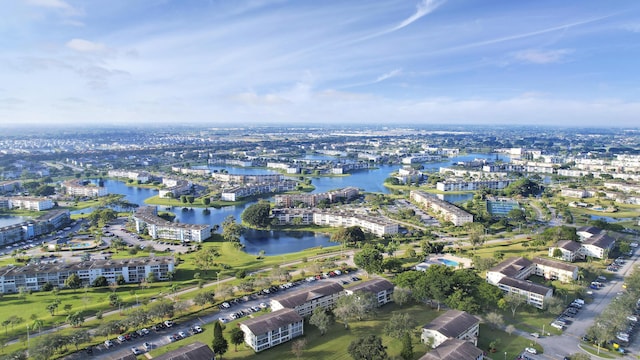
point(601, 240)
point(299, 297)
point(590, 230)
point(274, 320)
point(555, 264)
point(454, 349)
point(524, 285)
point(569, 245)
point(148, 214)
point(512, 266)
point(453, 323)
point(193, 351)
point(374, 285)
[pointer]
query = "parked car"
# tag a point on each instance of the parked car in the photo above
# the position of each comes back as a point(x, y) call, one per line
point(136, 351)
point(531, 350)
point(147, 346)
point(168, 323)
point(197, 329)
point(108, 343)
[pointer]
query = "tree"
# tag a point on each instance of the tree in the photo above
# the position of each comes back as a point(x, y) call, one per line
point(494, 320)
point(392, 264)
point(512, 302)
point(231, 230)
point(120, 280)
point(355, 307)
point(368, 348)
point(348, 235)
point(219, 343)
point(321, 319)
point(151, 278)
point(399, 324)
point(297, 347)
point(407, 347)
point(557, 253)
point(75, 319)
point(6, 324)
point(73, 281)
point(258, 214)
point(51, 308)
point(79, 337)
point(369, 259)
point(67, 308)
point(205, 258)
point(100, 281)
point(401, 296)
point(237, 337)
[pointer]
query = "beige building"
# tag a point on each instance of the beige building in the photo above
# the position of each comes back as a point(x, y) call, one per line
point(304, 301)
point(381, 288)
point(442, 208)
point(147, 219)
point(453, 324)
point(277, 327)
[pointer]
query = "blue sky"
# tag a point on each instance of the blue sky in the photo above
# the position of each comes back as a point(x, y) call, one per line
point(238, 62)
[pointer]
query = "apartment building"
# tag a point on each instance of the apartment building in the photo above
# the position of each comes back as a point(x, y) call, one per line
point(376, 225)
point(442, 208)
point(247, 179)
point(288, 168)
point(33, 277)
point(454, 349)
point(239, 192)
point(147, 219)
point(453, 324)
point(26, 203)
point(174, 188)
point(381, 288)
point(571, 250)
point(77, 187)
point(555, 270)
point(312, 200)
point(274, 328)
point(473, 185)
point(9, 186)
point(141, 176)
point(48, 222)
point(304, 301)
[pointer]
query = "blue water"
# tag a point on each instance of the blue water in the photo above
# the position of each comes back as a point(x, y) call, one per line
point(282, 242)
point(448, 262)
point(609, 218)
point(6, 220)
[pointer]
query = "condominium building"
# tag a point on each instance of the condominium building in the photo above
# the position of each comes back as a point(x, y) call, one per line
point(446, 210)
point(50, 221)
point(9, 186)
point(453, 324)
point(473, 185)
point(277, 327)
point(26, 203)
point(312, 200)
point(247, 179)
point(141, 176)
point(239, 192)
point(174, 188)
point(381, 288)
point(77, 187)
point(376, 225)
point(304, 301)
point(454, 349)
point(147, 219)
point(133, 270)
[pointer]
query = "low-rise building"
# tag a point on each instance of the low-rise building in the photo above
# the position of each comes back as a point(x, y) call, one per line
point(147, 219)
point(446, 210)
point(304, 301)
point(381, 288)
point(312, 200)
point(26, 203)
point(78, 187)
point(134, 270)
point(598, 246)
point(570, 250)
point(48, 222)
point(555, 270)
point(473, 185)
point(174, 188)
point(453, 324)
point(510, 276)
point(193, 351)
point(277, 327)
point(454, 349)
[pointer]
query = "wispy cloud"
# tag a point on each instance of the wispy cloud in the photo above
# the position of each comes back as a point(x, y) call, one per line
point(537, 56)
point(633, 27)
point(388, 75)
point(85, 46)
point(57, 5)
point(425, 7)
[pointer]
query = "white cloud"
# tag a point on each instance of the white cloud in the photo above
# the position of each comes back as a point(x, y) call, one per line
point(633, 27)
point(85, 46)
point(59, 5)
point(425, 7)
point(536, 56)
point(388, 75)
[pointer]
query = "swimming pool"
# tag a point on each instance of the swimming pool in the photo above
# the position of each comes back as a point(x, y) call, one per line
point(448, 262)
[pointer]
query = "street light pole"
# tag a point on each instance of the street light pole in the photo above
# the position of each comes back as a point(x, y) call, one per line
point(505, 355)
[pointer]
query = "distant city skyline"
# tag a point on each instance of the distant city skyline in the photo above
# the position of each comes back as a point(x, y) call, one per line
point(251, 62)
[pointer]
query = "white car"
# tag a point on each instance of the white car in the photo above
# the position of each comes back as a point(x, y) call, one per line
point(531, 350)
point(108, 343)
point(197, 329)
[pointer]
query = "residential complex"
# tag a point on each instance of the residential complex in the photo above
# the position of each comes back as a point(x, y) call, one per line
point(174, 188)
point(312, 200)
point(77, 187)
point(373, 224)
point(381, 288)
point(26, 203)
point(594, 242)
point(267, 331)
point(33, 277)
point(444, 209)
point(239, 192)
point(141, 176)
point(52, 220)
point(147, 219)
point(304, 301)
point(473, 185)
point(453, 324)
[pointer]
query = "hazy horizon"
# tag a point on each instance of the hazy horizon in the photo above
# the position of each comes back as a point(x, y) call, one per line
point(390, 62)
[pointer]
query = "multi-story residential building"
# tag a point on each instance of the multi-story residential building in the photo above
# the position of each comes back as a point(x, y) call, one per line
point(26, 203)
point(576, 193)
point(381, 288)
point(627, 188)
point(9, 186)
point(247, 179)
point(52, 220)
point(77, 187)
point(510, 276)
point(304, 301)
point(454, 349)
point(453, 324)
point(409, 175)
point(570, 250)
point(473, 185)
point(420, 158)
point(555, 270)
point(190, 171)
point(277, 327)
point(239, 192)
point(146, 218)
point(313, 200)
point(174, 188)
point(598, 246)
point(376, 225)
point(133, 270)
point(288, 168)
point(141, 176)
point(446, 210)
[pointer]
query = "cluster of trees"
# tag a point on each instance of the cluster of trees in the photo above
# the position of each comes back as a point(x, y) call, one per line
point(100, 217)
point(348, 236)
point(44, 347)
point(461, 289)
point(258, 215)
point(231, 230)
